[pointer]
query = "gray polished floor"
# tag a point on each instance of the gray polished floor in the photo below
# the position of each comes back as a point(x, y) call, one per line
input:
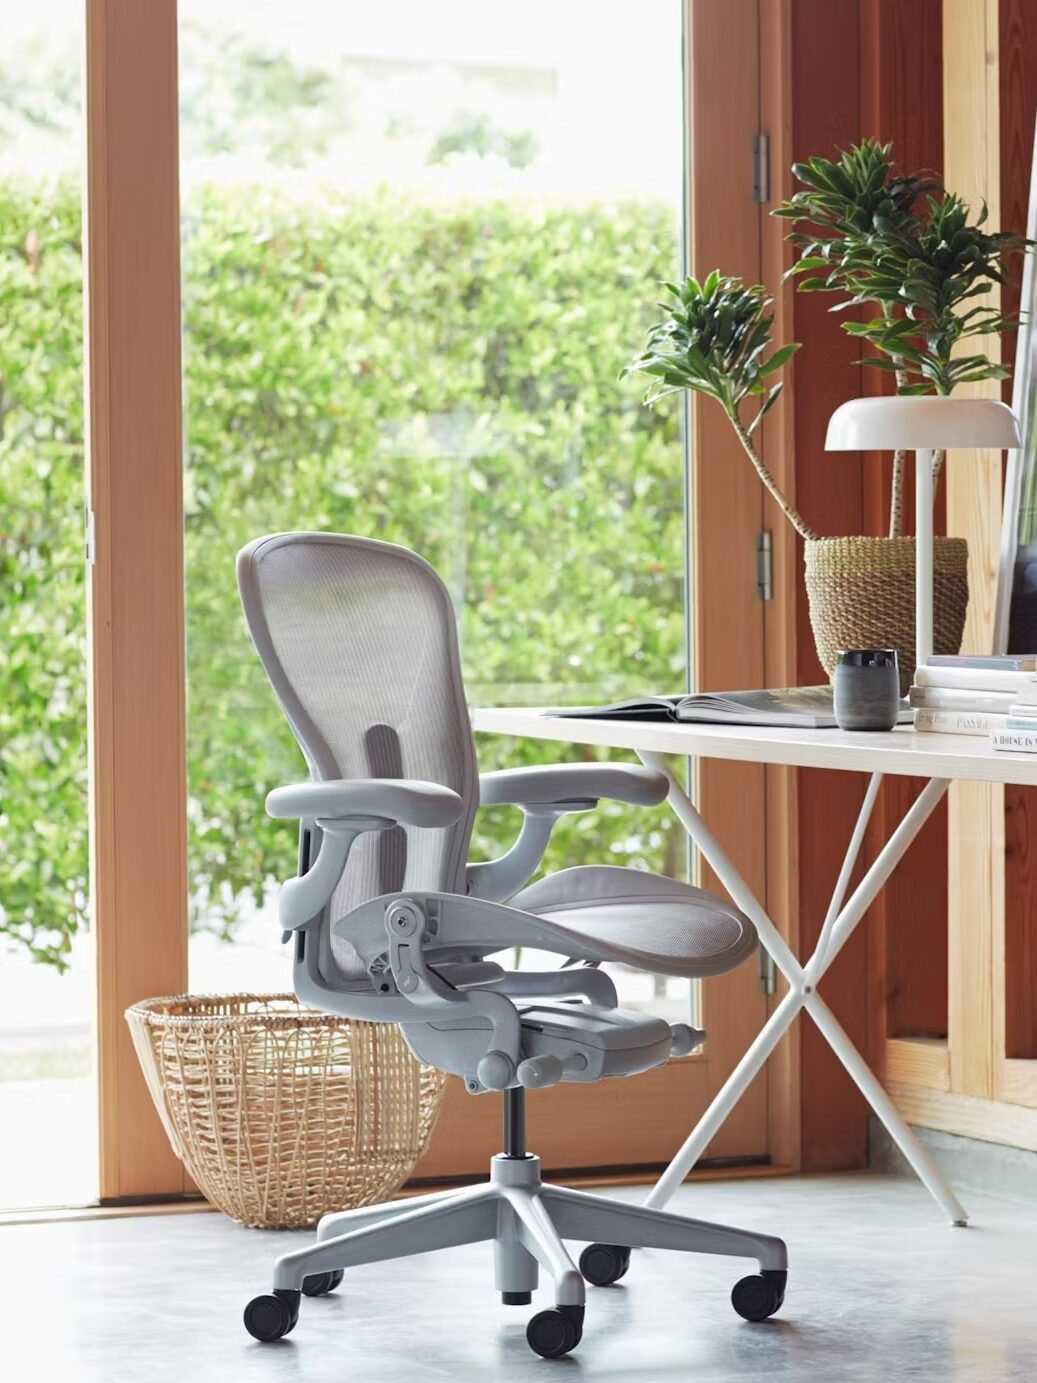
point(880, 1289)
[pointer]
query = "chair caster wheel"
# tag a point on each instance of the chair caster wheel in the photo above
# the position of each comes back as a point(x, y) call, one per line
point(554, 1333)
point(603, 1264)
point(271, 1317)
point(320, 1284)
point(757, 1297)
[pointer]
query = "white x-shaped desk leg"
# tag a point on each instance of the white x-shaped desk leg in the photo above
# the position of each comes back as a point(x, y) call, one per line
point(803, 980)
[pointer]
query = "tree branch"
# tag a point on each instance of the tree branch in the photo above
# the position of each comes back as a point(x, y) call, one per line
point(770, 484)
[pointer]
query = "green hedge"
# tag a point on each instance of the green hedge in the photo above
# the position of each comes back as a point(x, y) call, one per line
point(441, 376)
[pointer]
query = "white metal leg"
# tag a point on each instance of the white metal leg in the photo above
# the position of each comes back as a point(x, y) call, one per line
point(871, 1088)
point(839, 923)
point(885, 862)
point(923, 556)
point(849, 860)
point(726, 1098)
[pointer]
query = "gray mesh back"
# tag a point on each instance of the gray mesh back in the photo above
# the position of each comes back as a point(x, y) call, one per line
point(359, 640)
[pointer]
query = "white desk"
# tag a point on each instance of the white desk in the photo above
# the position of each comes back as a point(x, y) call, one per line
point(939, 758)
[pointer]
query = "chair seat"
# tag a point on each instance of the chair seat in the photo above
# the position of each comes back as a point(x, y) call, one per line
point(665, 926)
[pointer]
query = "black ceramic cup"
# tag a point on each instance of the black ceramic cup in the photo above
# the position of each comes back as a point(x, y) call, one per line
point(866, 689)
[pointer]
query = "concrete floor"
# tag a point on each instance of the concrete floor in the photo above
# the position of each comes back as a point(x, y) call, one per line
point(880, 1290)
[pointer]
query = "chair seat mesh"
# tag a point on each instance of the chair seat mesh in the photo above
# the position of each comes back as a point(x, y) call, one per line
point(674, 928)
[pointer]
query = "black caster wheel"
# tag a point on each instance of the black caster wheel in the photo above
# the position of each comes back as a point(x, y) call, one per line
point(271, 1317)
point(554, 1333)
point(320, 1284)
point(757, 1297)
point(603, 1264)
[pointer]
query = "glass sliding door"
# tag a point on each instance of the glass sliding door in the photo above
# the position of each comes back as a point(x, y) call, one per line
point(47, 1093)
point(419, 245)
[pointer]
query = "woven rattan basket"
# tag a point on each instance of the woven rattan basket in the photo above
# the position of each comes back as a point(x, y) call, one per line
point(862, 595)
point(281, 1113)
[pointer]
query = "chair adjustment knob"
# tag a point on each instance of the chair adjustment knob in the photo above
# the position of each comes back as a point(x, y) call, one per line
point(685, 1038)
point(537, 1071)
point(496, 1070)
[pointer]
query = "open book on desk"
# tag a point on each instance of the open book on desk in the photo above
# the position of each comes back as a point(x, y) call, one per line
point(808, 708)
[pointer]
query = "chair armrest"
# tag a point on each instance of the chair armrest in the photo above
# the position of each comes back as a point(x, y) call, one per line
point(407, 801)
point(556, 784)
point(345, 808)
point(545, 794)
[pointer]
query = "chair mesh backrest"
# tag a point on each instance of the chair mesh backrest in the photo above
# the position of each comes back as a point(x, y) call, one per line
point(359, 640)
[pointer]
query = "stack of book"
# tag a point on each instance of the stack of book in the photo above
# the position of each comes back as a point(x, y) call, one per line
point(991, 697)
point(1020, 728)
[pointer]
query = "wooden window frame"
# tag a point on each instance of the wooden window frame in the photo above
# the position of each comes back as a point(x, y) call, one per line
point(138, 790)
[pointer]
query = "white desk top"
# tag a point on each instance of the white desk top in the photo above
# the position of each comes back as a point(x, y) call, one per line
point(900, 751)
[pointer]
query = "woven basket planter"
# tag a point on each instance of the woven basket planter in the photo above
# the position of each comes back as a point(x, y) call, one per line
point(281, 1113)
point(862, 595)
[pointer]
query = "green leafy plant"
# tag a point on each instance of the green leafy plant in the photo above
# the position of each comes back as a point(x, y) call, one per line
point(438, 375)
point(896, 243)
point(714, 339)
point(933, 268)
point(858, 194)
point(843, 209)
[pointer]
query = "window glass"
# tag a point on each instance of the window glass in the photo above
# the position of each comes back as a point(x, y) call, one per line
point(419, 245)
point(47, 1091)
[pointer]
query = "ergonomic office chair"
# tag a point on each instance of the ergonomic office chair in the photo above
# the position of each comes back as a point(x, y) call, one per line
point(389, 922)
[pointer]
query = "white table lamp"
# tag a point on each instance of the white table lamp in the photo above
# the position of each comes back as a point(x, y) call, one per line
point(923, 425)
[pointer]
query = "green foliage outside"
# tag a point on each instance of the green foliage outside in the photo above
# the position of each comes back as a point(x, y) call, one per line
point(442, 376)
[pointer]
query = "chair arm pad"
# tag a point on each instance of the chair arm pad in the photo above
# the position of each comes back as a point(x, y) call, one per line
point(408, 801)
point(556, 784)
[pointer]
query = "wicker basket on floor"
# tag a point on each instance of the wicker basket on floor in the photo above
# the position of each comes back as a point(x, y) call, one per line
point(862, 595)
point(281, 1113)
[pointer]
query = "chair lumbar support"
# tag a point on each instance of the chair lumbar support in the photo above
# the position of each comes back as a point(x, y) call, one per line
point(527, 1222)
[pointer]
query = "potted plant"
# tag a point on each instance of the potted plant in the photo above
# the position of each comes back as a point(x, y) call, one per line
point(914, 258)
point(917, 260)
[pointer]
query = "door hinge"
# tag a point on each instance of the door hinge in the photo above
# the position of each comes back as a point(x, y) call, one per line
point(765, 565)
point(761, 168)
point(768, 973)
point(91, 538)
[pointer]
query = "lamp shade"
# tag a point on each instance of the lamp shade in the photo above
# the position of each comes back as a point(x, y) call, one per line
point(921, 424)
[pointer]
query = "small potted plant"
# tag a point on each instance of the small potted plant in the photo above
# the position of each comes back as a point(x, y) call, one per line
point(914, 257)
point(715, 339)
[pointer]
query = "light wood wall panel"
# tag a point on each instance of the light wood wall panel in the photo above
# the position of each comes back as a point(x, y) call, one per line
point(975, 811)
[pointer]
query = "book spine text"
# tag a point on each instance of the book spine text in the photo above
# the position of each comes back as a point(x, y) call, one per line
point(959, 722)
